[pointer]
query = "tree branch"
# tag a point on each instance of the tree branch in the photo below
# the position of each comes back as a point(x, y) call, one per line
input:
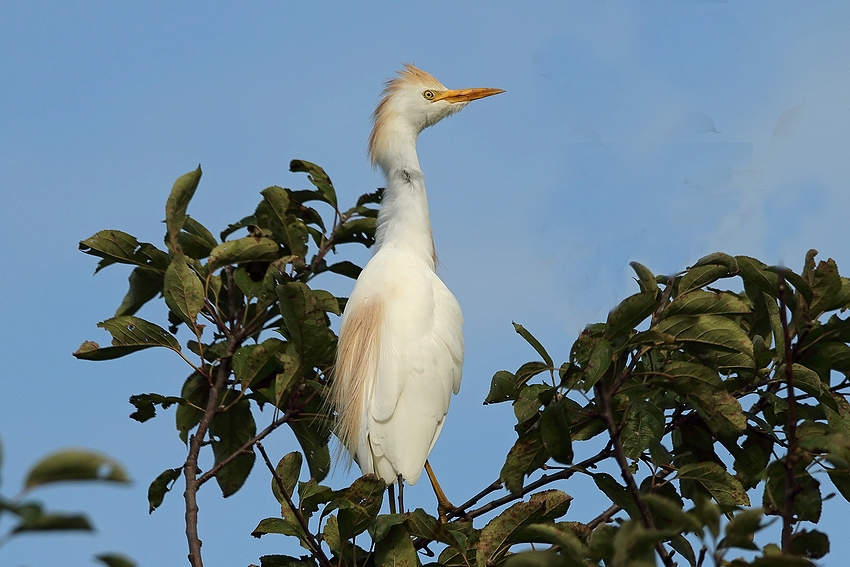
point(791, 423)
point(619, 454)
point(190, 467)
point(316, 548)
point(243, 449)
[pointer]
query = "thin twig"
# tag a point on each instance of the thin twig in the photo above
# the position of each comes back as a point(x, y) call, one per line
point(791, 423)
point(619, 454)
point(244, 449)
point(316, 548)
point(604, 517)
point(542, 481)
point(460, 511)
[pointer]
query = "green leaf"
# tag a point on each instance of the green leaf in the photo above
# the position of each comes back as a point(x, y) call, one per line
point(629, 313)
point(421, 524)
point(808, 502)
point(741, 529)
point(277, 526)
point(183, 290)
point(129, 334)
point(723, 487)
point(360, 230)
point(346, 268)
point(525, 457)
point(160, 486)
point(700, 276)
point(503, 388)
point(115, 560)
point(41, 522)
point(253, 363)
point(313, 438)
point(144, 285)
point(380, 528)
point(597, 365)
point(666, 508)
point(644, 424)
point(286, 227)
point(396, 550)
point(288, 469)
point(529, 338)
point(758, 274)
point(699, 302)
point(359, 505)
point(504, 530)
point(75, 464)
point(305, 323)
point(811, 543)
point(145, 405)
point(116, 246)
point(229, 431)
point(707, 330)
point(317, 177)
point(529, 401)
point(286, 561)
point(617, 493)
point(555, 430)
point(178, 202)
point(195, 240)
point(248, 249)
point(826, 288)
point(195, 392)
point(646, 279)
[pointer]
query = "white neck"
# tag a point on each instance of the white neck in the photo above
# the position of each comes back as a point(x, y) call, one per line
point(404, 222)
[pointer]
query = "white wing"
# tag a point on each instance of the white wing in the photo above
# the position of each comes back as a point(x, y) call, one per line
point(416, 364)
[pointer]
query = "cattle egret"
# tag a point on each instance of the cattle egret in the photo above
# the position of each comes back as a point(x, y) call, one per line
point(401, 342)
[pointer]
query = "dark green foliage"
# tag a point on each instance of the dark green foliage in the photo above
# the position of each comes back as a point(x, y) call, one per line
point(697, 400)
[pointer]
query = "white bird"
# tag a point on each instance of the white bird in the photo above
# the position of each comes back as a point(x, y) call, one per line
point(400, 347)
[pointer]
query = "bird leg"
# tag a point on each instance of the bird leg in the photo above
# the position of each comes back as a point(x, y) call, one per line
point(444, 507)
point(391, 492)
point(400, 494)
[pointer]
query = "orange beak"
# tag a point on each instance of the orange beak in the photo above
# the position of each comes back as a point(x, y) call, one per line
point(466, 95)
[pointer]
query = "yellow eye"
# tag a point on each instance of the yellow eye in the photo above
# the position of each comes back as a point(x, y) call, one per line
point(429, 94)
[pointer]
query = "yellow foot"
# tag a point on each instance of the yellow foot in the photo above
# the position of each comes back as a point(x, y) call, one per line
point(444, 507)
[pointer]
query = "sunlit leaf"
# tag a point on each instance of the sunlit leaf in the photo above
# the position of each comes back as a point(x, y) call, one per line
point(529, 338)
point(183, 290)
point(248, 249)
point(629, 313)
point(178, 201)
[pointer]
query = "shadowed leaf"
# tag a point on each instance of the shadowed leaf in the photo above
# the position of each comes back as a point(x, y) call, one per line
point(160, 486)
point(129, 334)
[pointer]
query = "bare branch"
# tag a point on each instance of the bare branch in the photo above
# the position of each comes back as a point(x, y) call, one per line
point(244, 449)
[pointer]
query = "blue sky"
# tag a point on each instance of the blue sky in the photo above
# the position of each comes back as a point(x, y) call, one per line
point(656, 132)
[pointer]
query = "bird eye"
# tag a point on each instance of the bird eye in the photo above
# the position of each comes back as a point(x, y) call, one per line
point(429, 94)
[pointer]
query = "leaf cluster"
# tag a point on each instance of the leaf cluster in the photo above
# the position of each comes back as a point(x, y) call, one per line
point(699, 410)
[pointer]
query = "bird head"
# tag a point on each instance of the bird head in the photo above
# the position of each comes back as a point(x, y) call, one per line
point(411, 102)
